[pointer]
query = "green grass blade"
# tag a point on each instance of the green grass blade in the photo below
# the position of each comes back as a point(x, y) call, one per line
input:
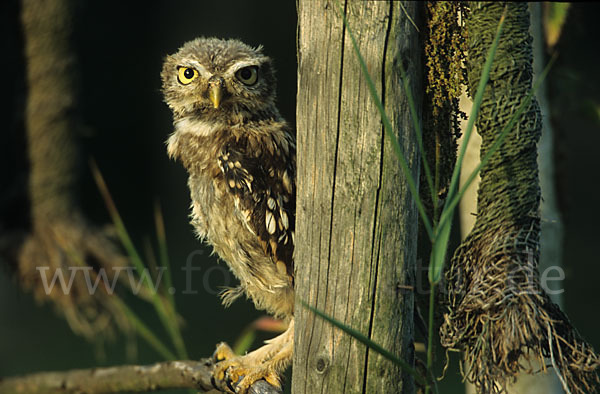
point(163, 251)
point(145, 332)
point(505, 130)
point(150, 259)
point(442, 234)
point(442, 231)
point(117, 221)
point(438, 251)
point(368, 342)
point(148, 292)
point(169, 321)
point(138, 325)
point(244, 341)
point(485, 76)
point(173, 327)
point(387, 126)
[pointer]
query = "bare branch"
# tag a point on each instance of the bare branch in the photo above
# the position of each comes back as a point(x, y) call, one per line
point(132, 378)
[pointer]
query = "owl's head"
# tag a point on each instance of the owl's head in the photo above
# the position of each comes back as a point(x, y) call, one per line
point(216, 79)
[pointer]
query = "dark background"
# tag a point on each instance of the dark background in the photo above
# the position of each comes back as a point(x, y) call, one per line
point(121, 46)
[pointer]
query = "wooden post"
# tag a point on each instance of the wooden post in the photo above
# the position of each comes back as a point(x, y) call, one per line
point(356, 220)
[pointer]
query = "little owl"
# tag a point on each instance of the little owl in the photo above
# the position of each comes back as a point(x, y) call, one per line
point(241, 158)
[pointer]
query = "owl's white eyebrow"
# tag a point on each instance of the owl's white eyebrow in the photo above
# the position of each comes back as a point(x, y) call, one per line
point(194, 63)
point(239, 65)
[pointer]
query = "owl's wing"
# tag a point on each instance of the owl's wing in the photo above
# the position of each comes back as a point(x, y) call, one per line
point(261, 174)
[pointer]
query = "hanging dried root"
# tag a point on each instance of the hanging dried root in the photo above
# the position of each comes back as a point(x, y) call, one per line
point(498, 313)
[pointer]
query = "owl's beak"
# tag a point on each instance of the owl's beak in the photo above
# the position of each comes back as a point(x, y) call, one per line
point(215, 94)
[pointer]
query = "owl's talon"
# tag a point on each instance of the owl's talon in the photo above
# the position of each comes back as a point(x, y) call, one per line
point(227, 362)
point(233, 377)
point(223, 352)
point(273, 380)
point(253, 376)
point(230, 385)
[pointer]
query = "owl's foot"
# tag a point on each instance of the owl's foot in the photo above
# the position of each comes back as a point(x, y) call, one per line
point(235, 374)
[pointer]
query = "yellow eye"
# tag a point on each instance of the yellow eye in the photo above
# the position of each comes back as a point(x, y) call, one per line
point(186, 75)
point(248, 75)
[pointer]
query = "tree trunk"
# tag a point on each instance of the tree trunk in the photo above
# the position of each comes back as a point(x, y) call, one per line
point(356, 221)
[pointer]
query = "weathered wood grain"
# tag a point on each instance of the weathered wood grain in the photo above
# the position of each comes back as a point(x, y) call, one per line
point(356, 221)
point(126, 378)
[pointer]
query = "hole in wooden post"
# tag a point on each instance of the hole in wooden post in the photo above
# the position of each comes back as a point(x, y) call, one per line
point(322, 364)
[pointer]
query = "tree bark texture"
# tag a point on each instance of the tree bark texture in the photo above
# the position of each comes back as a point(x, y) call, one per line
point(356, 221)
point(127, 378)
